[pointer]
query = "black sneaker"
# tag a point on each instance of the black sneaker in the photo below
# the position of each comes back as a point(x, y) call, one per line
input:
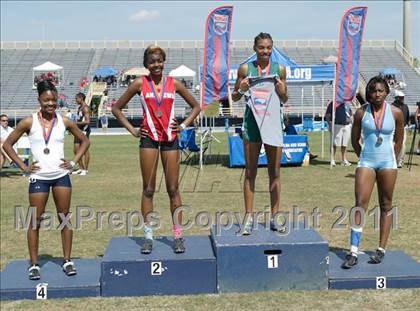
point(179, 246)
point(68, 268)
point(34, 272)
point(276, 228)
point(147, 246)
point(377, 257)
point(349, 261)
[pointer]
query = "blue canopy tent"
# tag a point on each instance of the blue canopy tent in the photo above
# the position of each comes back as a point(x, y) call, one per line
point(390, 71)
point(106, 72)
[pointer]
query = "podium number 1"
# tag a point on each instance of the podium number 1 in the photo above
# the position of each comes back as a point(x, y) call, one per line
point(41, 291)
point(156, 267)
point(380, 282)
point(272, 261)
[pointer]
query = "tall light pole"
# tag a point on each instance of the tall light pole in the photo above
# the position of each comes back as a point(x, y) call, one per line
point(407, 25)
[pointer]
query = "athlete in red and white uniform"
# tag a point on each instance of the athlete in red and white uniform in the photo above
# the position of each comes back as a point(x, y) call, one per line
point(158, 113)
point(158, 133)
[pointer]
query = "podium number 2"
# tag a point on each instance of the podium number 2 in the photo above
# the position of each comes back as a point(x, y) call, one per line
point(380, 282)
point(41, 291)
point(156, 268)
point(273, 261)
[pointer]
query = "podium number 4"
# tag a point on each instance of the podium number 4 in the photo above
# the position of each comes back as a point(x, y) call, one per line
point(41, 291)
point(380, 282)
point(156, 268)
point(272, 261)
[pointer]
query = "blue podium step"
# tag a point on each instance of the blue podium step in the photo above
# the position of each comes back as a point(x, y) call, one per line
point(16, 285)
point(398, 270)
point(266, 260)
point(127, 272)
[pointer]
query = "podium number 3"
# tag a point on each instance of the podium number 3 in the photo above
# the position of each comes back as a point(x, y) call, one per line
point(41, 291)
point(380, 282)
point(272, 261)
point(156, 268)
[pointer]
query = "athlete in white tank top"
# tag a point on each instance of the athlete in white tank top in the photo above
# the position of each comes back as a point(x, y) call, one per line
point(49, 163)
point(48, 170)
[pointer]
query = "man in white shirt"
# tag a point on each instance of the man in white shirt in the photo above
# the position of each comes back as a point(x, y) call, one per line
point(5, 131)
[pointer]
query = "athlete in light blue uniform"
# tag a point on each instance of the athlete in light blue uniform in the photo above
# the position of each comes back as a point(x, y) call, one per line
point(380, 127)
point(377, 155)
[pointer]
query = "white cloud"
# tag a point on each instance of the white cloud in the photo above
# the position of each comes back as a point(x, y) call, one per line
point(144, 15)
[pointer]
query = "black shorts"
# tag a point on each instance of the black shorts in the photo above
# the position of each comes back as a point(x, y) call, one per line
point(147, 142)
point(87, 133)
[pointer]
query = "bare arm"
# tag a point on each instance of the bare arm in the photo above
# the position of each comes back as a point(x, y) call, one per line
point(242, 82)
point(84, 146)
point(132, 90)
point(190, 100)
point(23, 127)
point(86, 116)
point(399, 129)
point(281, 86)
point(356, 131)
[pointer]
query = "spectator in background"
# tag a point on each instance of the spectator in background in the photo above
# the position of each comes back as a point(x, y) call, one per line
point(342, 129)
point(5, 131)
point(399, 103)
point(83, 123)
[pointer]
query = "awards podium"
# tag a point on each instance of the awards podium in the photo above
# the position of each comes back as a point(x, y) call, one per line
point(222, 262)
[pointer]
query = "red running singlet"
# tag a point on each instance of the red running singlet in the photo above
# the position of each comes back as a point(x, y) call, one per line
point(158, 114)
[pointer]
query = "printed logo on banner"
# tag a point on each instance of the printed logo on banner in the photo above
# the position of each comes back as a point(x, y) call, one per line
point(354, 23)
point(260, 96)
point(220, 23)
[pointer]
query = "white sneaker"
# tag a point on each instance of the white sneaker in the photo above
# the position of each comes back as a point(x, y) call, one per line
point(83, 173)
point(345, 163)
point(333, 163)
point(76, 172)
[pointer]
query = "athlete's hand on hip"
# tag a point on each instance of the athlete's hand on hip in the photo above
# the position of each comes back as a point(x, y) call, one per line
point(66, 164)
point(32, 168)
point(143, 132)
point(136, 132)
point(244, 85)
point(175, 126)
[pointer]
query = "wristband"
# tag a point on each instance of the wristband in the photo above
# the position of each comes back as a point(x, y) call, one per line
point(182, 126)
point(72, 163)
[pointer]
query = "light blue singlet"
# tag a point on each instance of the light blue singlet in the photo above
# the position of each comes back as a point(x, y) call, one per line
point(373, 155)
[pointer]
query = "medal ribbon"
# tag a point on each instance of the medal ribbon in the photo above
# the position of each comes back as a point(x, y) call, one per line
point(46, 134)
point(267, 69)
point(378, 119)
point(159, 99)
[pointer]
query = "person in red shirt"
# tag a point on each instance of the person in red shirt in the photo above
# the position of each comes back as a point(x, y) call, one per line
point(158, 131)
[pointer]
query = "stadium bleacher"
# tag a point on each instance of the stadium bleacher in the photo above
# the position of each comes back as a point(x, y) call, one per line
point(82, 59)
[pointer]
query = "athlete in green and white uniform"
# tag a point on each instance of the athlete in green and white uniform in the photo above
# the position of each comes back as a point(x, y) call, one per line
point(263, 45)
point(251, 130)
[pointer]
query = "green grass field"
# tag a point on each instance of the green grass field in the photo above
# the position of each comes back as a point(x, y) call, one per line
point(113, 184)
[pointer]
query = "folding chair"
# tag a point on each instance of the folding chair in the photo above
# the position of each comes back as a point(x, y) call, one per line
point(187, 143)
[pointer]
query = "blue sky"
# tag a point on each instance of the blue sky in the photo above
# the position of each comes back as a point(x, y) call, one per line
point(174, 20)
